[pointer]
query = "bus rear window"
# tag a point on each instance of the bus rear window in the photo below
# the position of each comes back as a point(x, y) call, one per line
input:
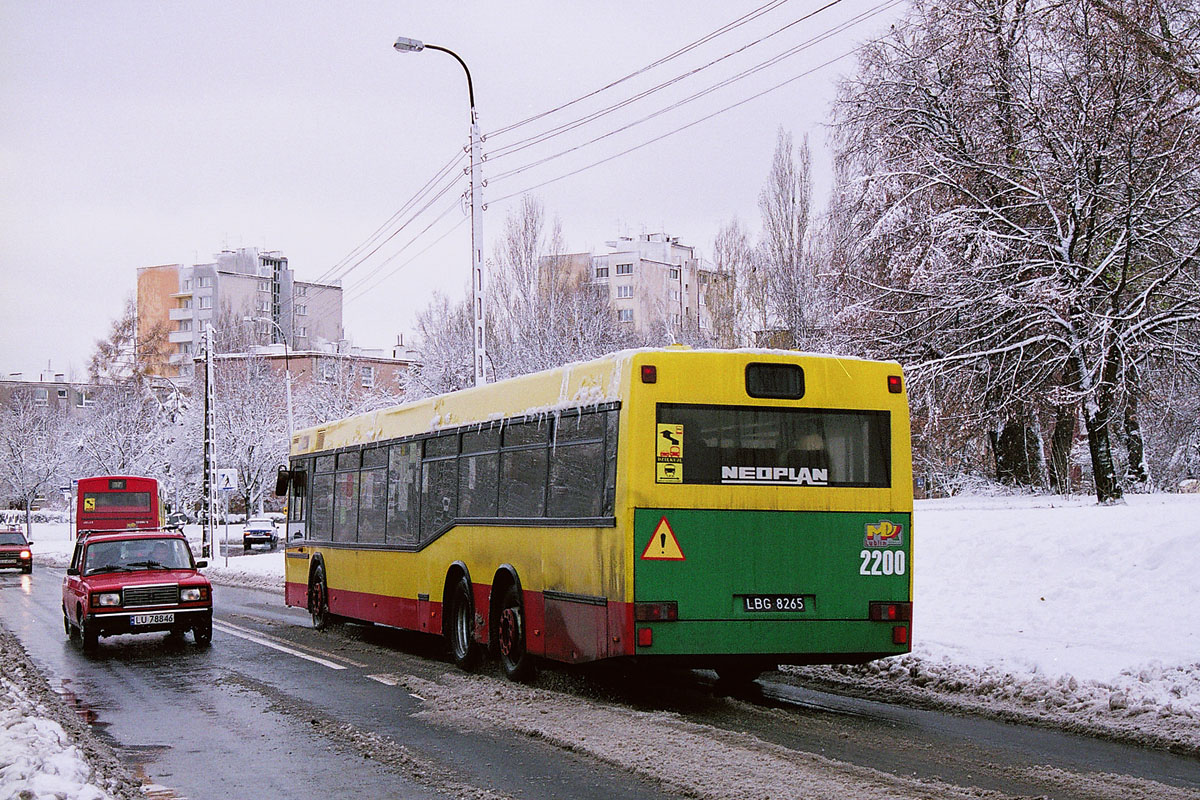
point(112, 501)
point(751, 445)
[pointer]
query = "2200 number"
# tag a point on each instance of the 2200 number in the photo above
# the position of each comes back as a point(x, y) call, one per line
point(882, 562)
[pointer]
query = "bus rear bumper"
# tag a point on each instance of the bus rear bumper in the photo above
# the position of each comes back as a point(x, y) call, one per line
point(783, 641)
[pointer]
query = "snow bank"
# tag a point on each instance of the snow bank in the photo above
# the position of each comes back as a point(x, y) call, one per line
point(44, 751)
point(1055, 610)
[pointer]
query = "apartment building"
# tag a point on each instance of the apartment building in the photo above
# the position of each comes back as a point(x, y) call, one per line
point(337, 364)
point(238, 284)
point(48, 390)
point(652, 280)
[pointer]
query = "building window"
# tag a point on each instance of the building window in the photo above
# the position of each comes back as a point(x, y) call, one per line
point(62, 394)
point(673, 274)
point(625, 291)
point(301, 291)
point(674, 295)
point(41, 396)
point(673, 319)
point(185, 348)
point(301, 311)
point(185, 302)
point(205, 302)
point(624, 269)
point(184, 325)
point(601, 272)
point(368, 376)
point(263, 305)
point(264, 286)
point(625, 315)
point(187, 285)
point(302, 331)
point(204, 283)
point(328, 372)
point(83, 399)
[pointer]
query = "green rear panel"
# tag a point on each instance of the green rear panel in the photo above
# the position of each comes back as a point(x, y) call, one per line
point(730, 554)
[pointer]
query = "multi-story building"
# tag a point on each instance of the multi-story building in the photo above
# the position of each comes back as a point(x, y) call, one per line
point(652, 281)
point(351, 367)
point(239, 285)
point(49, 390)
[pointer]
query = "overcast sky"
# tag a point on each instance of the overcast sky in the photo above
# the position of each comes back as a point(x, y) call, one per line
point(135, 134)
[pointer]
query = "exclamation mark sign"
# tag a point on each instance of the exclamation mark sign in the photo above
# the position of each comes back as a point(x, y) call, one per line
point(662, 541)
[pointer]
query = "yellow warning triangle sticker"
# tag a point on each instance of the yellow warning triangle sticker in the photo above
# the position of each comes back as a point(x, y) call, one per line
point(663, 545)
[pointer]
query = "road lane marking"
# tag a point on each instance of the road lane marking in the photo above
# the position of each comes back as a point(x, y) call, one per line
point(287, 643)
point(385, 679)
point(226, 628)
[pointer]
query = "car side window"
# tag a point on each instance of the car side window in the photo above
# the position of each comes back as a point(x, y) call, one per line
point(75, 556)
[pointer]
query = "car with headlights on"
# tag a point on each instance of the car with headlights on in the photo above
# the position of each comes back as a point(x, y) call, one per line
point(15, 551)
point(135, 582)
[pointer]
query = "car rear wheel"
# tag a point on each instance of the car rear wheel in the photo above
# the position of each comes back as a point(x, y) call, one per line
point(67, 626)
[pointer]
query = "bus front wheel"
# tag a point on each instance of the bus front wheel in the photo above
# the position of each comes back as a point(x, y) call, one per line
point(464, 650)
point(514, 657)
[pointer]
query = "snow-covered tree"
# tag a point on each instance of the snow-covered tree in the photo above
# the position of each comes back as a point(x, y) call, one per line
point(34, 449)
point(128, 353)
point(251, 433)
point(1023, 187)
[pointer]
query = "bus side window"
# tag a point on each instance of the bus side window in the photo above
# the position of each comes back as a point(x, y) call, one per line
point(404, 499)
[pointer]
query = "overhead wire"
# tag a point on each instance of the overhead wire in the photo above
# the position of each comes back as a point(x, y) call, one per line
point(840, 28)
point(361, 290)
point(578, 122)
point(742, 20)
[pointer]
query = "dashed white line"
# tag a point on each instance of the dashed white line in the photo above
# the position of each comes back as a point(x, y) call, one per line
point(266, 643)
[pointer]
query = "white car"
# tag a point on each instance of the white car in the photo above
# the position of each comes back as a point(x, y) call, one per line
point(259, 530)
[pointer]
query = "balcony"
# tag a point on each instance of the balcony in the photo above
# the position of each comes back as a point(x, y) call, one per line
point(175, 337)
point(180, 313)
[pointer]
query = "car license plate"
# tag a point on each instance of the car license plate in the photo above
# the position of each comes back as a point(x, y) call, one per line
point(151, 619)
point(772, 602)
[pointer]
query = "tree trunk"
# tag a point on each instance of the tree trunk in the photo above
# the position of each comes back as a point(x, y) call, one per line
point(1137, 471)
point(1066, 421)
point(1016, 447)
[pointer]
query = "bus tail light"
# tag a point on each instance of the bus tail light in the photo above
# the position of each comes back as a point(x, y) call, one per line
point(645, 637)
point(649, 373)
point(900, 634)
point(890, 612)
point(656, 612)
point(894, 384)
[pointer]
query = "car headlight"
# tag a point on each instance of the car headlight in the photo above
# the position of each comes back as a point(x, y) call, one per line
point(26, 554)
point(108, 599)
point(189, 595)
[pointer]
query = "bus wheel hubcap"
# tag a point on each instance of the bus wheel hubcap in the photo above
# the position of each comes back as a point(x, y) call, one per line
point(510, 630)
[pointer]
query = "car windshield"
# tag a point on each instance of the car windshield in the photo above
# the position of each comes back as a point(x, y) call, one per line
point(136, 554)
point(7, 537)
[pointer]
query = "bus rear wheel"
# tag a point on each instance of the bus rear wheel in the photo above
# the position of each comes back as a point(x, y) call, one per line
point(464, 650)
point(318, 599)
point(514, 657)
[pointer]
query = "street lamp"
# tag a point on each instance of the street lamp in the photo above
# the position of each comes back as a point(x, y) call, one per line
point(479, 299)
point(287, 369)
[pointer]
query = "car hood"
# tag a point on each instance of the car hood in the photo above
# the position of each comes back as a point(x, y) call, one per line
point(112, 581)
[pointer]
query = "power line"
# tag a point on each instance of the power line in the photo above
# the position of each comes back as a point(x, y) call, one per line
point(682, 127)
point(840, 28)
point(366, 289)
point(755, 14)
point(565, 127)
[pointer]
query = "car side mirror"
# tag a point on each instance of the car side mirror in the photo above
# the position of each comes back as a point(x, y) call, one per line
point(201, 564)
point(29, 541)
point(72, 571)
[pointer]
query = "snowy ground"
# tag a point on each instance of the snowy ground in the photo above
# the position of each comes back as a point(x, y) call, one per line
point(1047, 609)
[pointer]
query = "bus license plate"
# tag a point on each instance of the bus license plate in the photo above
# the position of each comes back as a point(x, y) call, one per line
point(773, 602)
point(151, 619)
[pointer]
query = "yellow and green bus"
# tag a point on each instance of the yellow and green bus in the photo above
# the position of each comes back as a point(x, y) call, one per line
point(731, 509)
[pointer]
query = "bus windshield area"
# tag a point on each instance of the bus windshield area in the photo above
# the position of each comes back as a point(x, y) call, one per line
point(116, 501)
point(136, 554)
point(749, 445)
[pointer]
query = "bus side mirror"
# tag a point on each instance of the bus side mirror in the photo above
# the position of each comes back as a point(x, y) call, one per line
point(282, 479)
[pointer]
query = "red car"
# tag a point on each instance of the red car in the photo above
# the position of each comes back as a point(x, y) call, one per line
point(15, 551)
point(135, 582)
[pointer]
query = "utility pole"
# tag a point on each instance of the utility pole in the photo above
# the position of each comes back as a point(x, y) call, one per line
point(208, 531)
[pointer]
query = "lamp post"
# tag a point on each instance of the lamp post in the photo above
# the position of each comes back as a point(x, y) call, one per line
point(479, 298)
point(287, 370)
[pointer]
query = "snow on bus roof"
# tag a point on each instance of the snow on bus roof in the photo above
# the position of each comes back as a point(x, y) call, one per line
point(595, 381)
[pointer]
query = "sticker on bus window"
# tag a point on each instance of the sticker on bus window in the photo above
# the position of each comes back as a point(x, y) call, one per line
point(669, 448)
point(89, 504)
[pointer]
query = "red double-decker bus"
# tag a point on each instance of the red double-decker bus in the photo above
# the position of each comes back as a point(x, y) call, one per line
point(117, 502)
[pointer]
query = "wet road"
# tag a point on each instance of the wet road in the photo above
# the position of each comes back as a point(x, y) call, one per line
point(275, 708)
point(258, 716)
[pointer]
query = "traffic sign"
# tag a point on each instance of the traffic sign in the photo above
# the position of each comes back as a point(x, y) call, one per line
point(226, 480)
